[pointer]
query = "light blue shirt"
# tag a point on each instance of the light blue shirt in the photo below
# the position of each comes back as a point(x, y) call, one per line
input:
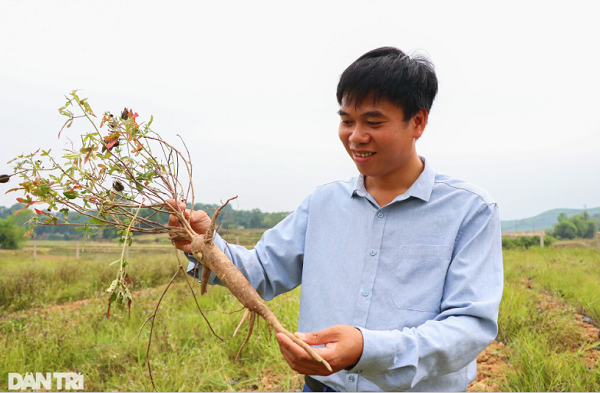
point(421, 278)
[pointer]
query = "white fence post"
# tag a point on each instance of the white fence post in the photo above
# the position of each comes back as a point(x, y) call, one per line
point(542, 238)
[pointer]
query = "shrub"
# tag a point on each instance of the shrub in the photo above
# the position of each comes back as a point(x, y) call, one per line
point(579, 225)
point(525, 242)
point(11, 235)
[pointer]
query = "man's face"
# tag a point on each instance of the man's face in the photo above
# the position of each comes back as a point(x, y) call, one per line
point(378, 139)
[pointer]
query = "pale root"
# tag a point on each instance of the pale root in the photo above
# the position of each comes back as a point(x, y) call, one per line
point(207, 253)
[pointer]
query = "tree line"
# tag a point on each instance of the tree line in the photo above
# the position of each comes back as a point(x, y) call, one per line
point(578, 226)
point(12, 228)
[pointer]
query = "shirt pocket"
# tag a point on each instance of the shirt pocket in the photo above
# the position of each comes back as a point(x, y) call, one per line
point(420, 276)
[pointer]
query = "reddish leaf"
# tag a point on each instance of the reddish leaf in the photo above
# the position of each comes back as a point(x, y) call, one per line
point(110, 144)
point(20, 210)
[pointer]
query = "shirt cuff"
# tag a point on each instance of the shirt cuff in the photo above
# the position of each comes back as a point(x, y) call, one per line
point(378, 354)
point(194, 268)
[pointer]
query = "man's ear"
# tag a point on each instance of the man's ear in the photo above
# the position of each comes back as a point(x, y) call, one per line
point(418, 122)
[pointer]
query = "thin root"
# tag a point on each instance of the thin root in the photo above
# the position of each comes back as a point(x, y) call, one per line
point(246, 313)
point(208, 236)
point(204, 279)
point(252, 318)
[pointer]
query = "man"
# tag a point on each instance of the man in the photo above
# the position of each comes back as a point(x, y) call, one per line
point(401, 268)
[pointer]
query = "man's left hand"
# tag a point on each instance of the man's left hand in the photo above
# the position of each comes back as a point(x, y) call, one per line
point(343, 348)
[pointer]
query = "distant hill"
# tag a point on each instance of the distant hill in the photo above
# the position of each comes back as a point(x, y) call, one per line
point(544, 220)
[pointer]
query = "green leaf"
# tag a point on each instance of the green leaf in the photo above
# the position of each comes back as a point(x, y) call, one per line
point(113, 286)
point(112, 263)
point(71, 194)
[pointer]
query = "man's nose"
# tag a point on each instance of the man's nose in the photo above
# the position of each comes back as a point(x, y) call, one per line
point(359, 135)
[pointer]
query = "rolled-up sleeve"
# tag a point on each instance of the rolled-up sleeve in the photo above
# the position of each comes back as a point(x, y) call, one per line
point(466, 324)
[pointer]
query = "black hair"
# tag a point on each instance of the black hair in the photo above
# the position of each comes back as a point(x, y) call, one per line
point(388, 73)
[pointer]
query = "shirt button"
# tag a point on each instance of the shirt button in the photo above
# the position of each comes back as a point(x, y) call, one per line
point(373, 253)
point(351, 378)
point(358, 371)
point(365, 293)
point(380, 214)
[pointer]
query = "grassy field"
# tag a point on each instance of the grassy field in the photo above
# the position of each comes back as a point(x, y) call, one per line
point(53, 319)
point(548, 295)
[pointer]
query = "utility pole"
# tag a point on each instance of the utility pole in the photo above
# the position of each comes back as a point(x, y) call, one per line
point(542, 238)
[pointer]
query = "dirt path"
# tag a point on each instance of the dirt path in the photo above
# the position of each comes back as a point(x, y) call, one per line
point(493, 362)
point(491, 365)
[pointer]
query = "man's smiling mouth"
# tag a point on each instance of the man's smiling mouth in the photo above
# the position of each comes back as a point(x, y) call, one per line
point(364, 154)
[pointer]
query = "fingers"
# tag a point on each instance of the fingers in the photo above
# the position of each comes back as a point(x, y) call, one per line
point(321, 337)
point(343, 348)
point(174, 221)
point(298, 359)
point(199, 220)
point(183, 245)
point(174, 204)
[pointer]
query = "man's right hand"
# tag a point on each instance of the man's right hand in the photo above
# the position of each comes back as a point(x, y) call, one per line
point(200, 221)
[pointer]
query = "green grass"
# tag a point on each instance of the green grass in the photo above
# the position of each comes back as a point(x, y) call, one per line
point(185, 355)
point(41, 330)
point(56, 276)
point(245, 237)
point(569, 273)
point(546, 348)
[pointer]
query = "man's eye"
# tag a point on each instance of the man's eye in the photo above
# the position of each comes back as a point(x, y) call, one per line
point(347, 122)
point(374, 123)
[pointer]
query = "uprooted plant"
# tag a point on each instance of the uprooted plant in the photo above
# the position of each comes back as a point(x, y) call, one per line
point(115, 174)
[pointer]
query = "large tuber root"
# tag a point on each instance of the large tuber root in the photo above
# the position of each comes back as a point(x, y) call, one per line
point(211, 257)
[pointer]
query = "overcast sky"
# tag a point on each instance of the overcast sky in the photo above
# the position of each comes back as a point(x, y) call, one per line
point(250, 86)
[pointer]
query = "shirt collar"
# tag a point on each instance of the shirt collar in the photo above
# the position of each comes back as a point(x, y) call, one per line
point(421, 188)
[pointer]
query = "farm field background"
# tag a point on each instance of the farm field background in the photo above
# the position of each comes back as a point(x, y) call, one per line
point(53, 319)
